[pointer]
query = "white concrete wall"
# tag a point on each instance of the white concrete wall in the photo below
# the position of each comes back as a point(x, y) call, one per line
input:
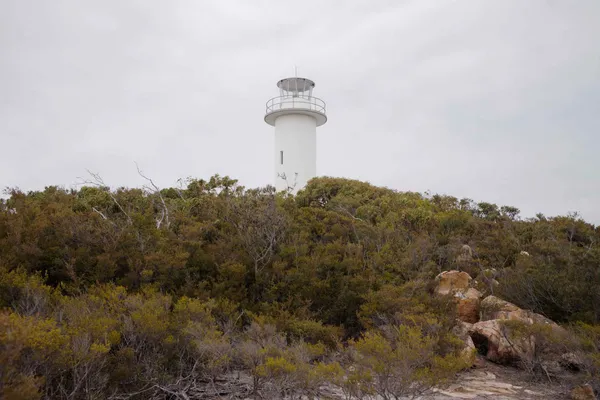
point(296, 136)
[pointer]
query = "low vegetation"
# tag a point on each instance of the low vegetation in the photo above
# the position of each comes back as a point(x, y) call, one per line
point(210, 289)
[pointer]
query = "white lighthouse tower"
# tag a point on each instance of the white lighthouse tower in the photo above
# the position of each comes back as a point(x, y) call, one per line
point(295, 114)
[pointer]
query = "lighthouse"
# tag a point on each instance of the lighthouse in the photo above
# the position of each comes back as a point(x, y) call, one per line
point(295, 114)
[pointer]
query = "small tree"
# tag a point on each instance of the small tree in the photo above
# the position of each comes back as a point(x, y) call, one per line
point(536, 344)
point(398, 363)
point(588, 351)
point(259, 224)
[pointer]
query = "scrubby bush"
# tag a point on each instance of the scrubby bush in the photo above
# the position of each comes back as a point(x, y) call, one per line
point(161, 293)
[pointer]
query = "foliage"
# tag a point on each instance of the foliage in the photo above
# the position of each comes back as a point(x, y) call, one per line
point(537, 344)
point(587, 352)
point(157, 292)
point(399, 363)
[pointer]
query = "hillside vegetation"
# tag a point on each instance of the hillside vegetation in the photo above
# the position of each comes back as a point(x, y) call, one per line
point(164, 293)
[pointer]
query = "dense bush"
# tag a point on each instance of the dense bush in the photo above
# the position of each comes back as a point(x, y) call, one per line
point(149, 293)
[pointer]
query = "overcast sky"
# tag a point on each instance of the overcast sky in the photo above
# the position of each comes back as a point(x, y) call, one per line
point(497, 101)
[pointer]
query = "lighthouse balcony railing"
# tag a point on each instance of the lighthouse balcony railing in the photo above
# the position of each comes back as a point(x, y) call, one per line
point(295, 102)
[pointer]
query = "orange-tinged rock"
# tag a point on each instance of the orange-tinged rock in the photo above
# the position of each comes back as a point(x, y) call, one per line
point(493, 307)
point(468, 310)
point(452, 281)
point(457, 283)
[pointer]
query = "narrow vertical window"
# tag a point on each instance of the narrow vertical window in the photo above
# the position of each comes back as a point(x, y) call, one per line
point(281, 157)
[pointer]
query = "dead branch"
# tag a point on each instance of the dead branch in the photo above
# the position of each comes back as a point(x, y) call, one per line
point(98, 182)
point(289, 188)
point(156, 190)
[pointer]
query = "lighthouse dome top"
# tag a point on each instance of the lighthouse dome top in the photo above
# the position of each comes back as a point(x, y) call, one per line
point(295, 97)
point(296, 84)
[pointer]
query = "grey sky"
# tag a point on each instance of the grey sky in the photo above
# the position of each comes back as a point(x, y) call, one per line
point(498, 100)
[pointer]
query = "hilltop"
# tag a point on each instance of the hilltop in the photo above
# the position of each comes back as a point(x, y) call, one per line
point(177, 292)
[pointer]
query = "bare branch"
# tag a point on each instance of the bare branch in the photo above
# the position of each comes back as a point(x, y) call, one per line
point(260, 226)
point(100, 213)
point(289, 188)
point(98, 182)
point(156, 190)
point(180, 188)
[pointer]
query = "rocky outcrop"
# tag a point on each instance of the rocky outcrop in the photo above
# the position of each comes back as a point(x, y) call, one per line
point(494, 337)
point(493, 307)
point(488, 326)
point(468, 305)
point(484, 384)
point(462, 331)
point(450, 282)
point(458, 284)
point(493, 340)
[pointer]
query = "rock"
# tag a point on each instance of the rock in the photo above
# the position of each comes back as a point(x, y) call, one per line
point(467, 298)
point(498, 343)
point(493, 307)
point(469, 352)
point(481, 384)
point(524, 253)
point(462, 331)
point(468, 305)
point(493, 340)
point(468, 310)
point(584, 392)
point(452, 281)
point(470, 293)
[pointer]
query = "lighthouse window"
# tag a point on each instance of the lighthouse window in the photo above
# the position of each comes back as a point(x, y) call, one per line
point(281, 157)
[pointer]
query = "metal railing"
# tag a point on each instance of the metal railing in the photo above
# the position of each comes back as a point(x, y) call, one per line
point(299, 102)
